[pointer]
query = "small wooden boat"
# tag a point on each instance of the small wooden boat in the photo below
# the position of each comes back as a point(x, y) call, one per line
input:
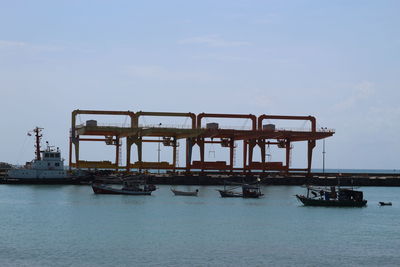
point(185, 193)
point(128, 188)
point(229, 193)
point(343, 197)
point(248, 191)
point(385, 203)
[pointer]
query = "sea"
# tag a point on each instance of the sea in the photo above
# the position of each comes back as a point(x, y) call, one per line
point(68, 225)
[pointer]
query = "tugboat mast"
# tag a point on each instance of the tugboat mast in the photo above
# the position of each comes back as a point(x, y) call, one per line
point(38, 136)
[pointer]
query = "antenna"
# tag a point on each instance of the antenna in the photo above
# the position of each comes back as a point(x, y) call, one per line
point(38, 137)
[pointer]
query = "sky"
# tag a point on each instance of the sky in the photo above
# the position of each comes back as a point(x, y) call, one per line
point(336, 60)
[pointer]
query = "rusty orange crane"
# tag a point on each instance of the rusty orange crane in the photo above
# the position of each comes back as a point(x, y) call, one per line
point(259, 135)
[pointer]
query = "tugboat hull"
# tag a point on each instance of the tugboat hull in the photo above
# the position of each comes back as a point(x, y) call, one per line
point(330, 203)
point(45, 181)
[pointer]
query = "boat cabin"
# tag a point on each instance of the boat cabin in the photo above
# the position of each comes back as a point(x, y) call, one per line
point(251, 191)
point(349, 194)
point(50, 159)
point(335, 194)
point(51, 155)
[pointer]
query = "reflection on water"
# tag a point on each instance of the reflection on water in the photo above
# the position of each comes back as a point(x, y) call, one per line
point(69, 225)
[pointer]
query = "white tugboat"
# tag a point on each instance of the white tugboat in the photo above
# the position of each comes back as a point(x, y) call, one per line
point(46, 168)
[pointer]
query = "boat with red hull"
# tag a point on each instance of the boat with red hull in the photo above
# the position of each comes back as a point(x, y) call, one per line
point(128, 188)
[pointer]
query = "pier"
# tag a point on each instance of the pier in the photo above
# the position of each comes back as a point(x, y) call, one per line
point(201, 172)
point(348, 179)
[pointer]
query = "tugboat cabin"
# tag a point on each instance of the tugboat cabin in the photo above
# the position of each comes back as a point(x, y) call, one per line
point(51, 159)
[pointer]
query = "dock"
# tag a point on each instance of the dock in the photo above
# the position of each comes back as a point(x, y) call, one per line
point(347, 179)
point(264, 131)
point(328, 179)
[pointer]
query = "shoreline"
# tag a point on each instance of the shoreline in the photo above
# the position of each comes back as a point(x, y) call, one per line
point(327, 179)
point(322, 180)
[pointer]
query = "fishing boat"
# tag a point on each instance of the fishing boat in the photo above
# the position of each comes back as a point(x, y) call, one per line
point(229, 193)
point(385, 203)
point(129, 187)
point(335, 197)
point(185, 193)
point(248, 190)
point(251, 191)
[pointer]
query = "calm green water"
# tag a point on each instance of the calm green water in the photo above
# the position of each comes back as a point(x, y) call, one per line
point(70, 226)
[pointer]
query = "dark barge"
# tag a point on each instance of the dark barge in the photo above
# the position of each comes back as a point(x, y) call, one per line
point(346, 179)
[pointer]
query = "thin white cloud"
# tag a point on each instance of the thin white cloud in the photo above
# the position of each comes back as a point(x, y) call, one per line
point(162, 73)
point(213, 41)
point(382, 118)
point(365, 89)
point(5, 43)
point(219, 57)
point(360, 92)
point(28, 46)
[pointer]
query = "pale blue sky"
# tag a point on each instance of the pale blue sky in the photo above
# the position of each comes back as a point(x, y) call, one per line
point(336, 60)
